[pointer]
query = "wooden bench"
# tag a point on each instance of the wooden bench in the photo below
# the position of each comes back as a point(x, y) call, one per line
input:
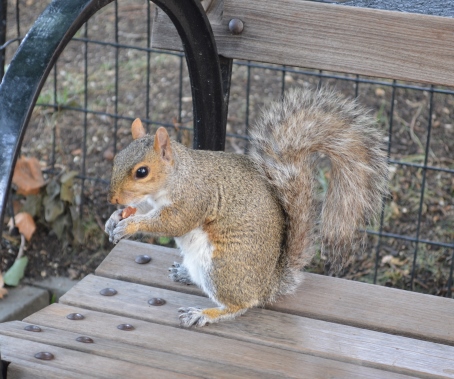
point(331, 327)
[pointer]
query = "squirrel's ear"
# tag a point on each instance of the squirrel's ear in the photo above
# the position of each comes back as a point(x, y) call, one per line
point(162, 144)
point(137, 129)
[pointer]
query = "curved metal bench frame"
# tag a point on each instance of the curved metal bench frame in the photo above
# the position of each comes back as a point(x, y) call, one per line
point(51, 33)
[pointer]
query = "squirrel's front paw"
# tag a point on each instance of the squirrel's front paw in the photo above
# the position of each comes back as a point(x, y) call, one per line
point(178, 273)
point(121, 230)
point(112, 223)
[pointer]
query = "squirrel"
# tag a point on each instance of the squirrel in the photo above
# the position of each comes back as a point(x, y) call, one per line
point(247, 225)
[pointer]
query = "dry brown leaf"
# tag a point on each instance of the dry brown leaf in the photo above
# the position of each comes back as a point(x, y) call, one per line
point(3, 291)
point(28, 176)
point(25, 224)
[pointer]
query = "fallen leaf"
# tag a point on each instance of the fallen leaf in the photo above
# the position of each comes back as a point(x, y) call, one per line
point(15, 273)
point(66, 191)
point(24, 222)
point(27, 176)
point(52, 209)
point(3, 291)
point(109, 153)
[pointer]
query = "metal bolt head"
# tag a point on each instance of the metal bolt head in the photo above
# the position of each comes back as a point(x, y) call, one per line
point(44, 356)
point(125, 327)
point(32, 328)
point(142, 259)
point(84, 339)
point(75, 316)
point(236, 26)
point(108, 292)
point(157, 301)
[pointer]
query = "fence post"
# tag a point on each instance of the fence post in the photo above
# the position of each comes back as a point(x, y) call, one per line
point(3, 6)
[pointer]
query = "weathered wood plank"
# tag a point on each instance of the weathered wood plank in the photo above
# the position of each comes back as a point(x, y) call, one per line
point(336, 300)
point(141, 346)
point(275, 329)
point(330, 37)
point(200, 355)
point(16, 371)
point(120, 264)
point(67, 362)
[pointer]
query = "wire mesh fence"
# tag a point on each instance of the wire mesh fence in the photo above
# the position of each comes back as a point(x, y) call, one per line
point(109, 75)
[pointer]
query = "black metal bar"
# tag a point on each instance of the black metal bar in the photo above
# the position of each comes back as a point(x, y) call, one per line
point(226, 65)
point(356, 86)
point(202, 58)
point(18, 19)
point(48, 37)
point(423, 186)
point(85, 125)
point(382, 214)
point(320, 74)
point(117, 76)
point(3, 11)
point(450, 279)
point(248, 103)
point(3, 368)
point(53, 158)
point(27, 73)
point(409, 239)
point(180, 99)
point(147, 105)
point(283, 80)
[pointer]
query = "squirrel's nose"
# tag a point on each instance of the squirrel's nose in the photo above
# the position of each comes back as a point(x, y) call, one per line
point(112, 198)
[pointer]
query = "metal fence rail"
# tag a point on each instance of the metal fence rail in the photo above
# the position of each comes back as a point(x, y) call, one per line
point(408, 234)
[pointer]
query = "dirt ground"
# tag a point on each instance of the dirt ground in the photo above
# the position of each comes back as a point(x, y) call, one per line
point(50, 256)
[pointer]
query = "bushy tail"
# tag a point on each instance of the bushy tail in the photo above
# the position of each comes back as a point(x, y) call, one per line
point(284, 143)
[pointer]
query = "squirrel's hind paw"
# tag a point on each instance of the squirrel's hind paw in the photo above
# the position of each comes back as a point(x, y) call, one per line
point(192, 316)
point(178, 273)
point(199, 317)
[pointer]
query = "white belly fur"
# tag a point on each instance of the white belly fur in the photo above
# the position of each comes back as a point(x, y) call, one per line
point(197, 252)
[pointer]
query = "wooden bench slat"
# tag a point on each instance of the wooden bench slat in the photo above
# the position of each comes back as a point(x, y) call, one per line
point(275, 329)
point(205, 356)
point(16, 371)
point(371, 42)
point(120, 264)
point(331, 299)
point(67, 362)
point(133, 346)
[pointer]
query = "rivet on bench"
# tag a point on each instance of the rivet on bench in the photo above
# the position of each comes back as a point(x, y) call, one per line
point(84, 339)
point(44, 356)
point(75, 316)
point(108, 292)
point(236, 26)
point(142, 259)
point(32, 328)
point(157, 301)
point(126, 327)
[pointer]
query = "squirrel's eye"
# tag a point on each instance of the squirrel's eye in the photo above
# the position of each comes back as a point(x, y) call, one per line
point(141, 172)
